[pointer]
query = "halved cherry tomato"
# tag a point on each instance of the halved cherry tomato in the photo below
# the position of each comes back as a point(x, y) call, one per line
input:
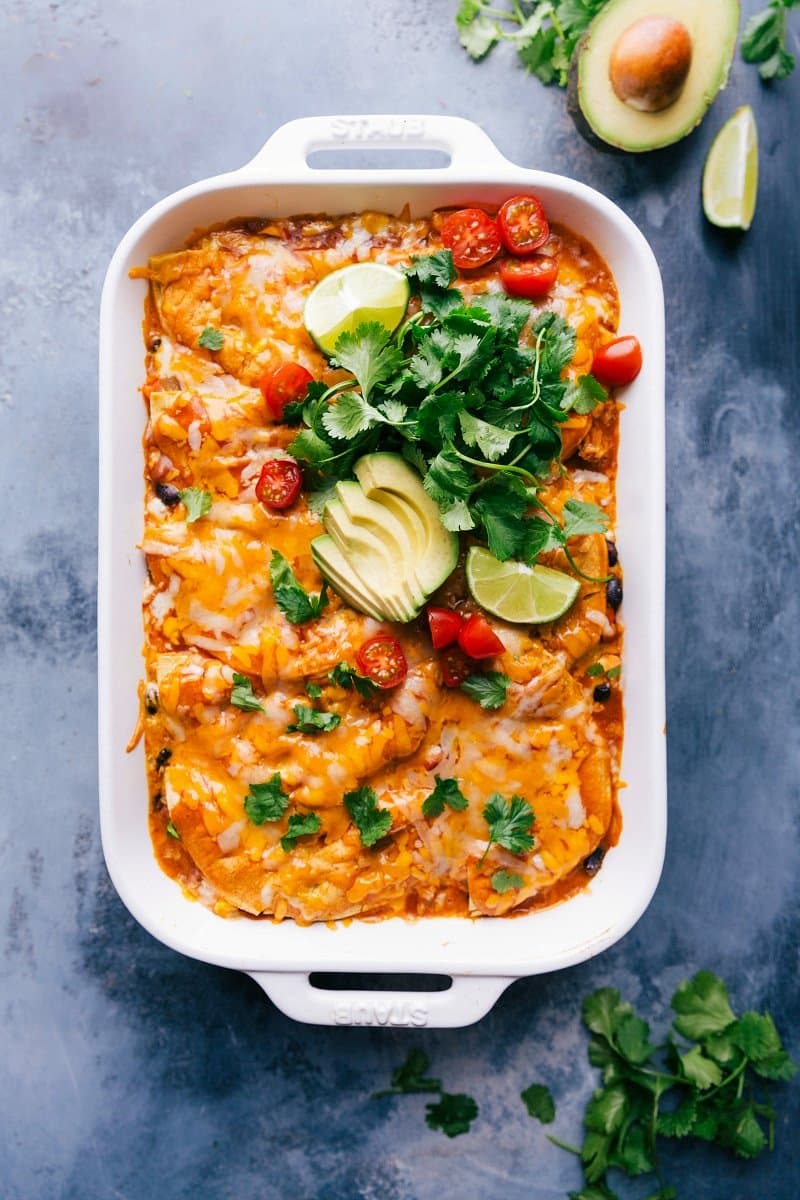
point(279, 482)
point(444, 625)
point(382, 660)
point(283, 385)
point(529, 277)
point(472, 236)
point(523, 225)
point(478, 639)
point(455, 667)
point(619, 362)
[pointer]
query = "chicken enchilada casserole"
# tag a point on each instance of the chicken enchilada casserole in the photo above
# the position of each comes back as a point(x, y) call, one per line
point(383, 637)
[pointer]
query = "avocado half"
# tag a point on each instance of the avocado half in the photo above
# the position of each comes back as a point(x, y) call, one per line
point(612, 123)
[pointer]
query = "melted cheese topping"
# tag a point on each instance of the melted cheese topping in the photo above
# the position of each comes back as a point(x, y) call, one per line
point(209, 612)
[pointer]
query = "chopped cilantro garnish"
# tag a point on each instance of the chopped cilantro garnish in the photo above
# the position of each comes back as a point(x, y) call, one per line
point(372, 822)
point(266, 801)
point(509, 822)
point(300, 825)
point(290, 596)
point(446, 792)
point(347, 677)
point(211, 338)
point(172, 831)
point(490, 689)
point(242, 695)
point(506, 881)
point(311, 720)
point(197, 502)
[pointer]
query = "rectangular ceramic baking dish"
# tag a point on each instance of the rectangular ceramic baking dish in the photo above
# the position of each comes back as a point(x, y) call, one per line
point(483, 956)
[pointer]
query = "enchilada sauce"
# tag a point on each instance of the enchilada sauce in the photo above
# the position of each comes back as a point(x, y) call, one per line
point(210, 614)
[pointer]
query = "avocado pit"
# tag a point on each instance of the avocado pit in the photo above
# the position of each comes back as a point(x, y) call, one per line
point(650, 62)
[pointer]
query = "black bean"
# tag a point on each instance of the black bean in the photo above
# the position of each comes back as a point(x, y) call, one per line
point(613, 556)
point(154, 345)
point(614, 593)
point(168, 494)
point(594, 862)
point(151, 698)
point(163, 757)
point(602, 692)
point(158, 802)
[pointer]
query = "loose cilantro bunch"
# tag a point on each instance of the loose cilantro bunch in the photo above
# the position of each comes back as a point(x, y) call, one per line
point(701, 1083)
point(474, 409)
point(544, 32)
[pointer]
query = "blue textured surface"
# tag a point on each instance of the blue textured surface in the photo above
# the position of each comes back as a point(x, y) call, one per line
point(133, 1073)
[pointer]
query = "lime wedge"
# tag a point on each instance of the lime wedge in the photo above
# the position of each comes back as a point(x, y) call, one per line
point(730, 176)
point(368, 291)
point(516, 592)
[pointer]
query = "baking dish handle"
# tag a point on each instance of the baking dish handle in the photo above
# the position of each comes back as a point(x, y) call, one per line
point(469, 999)
point(289, 146)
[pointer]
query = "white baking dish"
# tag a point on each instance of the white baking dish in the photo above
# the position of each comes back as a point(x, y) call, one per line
point(482, 957)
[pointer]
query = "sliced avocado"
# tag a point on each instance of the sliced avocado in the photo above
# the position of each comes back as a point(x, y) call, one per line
point(340, 575)
point(638, 83)
point(393, 533)
point(372, 560)
point(390, 480)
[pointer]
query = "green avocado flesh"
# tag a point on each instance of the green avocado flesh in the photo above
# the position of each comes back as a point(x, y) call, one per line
point(712, 25)
point(385, 549)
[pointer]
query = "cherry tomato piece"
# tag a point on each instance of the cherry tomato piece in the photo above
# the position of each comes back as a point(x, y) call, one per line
point(283, 385)
point(445, 626)
point(279, 483)
point(529, 277)
point(455, 667)
point(523, 225)
point(478, 639)
point(472, 236)
point(619, 362)
point(382, 660)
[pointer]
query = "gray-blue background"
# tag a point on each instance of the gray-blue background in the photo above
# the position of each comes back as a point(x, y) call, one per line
point(131, 1072)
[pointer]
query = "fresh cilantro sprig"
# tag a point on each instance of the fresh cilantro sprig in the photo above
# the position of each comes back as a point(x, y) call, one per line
point(372, 822)
point(313, 720)
point(544, 32)
point(300, 825)
point(764, 40)
point(197, 503)
point(509, 822)
point(290, 596)
point(471, 394)
point(453, 1112)
point(445, 792)
point(266, 801)
point(548, 533)
point(701, 1083)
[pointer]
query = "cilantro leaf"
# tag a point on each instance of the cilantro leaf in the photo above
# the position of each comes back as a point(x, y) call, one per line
point(312, 720)
point(701, 1071)
point(539, 536)
point(349, 415)
point(211, 338)
point(438, 269)
point(300, 825)
point(446, 791)
point(764, 41)
point(755, 1035)
point(372, 822)
point(702, 1006)
point(172, 831)
point(678, 1123)
point(539, 1102)
point(308, 447)
point(313, 691)
point(499, 509)
point(456, 515)
point(446, 478)
point(478, 36)
point(347, 677)
point(492, 441)
point(266, 801)
point(410, 1078)
point(242, 695)
point(291, 598)
point(632, 1038)
point(584, 395)
point(506, 881)
point(453, 1113)
point(581, 518)
point(603, 1010)
point(557, 341)
point(368, 354)
point(509, 822)
point(198, 503)
point(607, 1109)
point(490, 689)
